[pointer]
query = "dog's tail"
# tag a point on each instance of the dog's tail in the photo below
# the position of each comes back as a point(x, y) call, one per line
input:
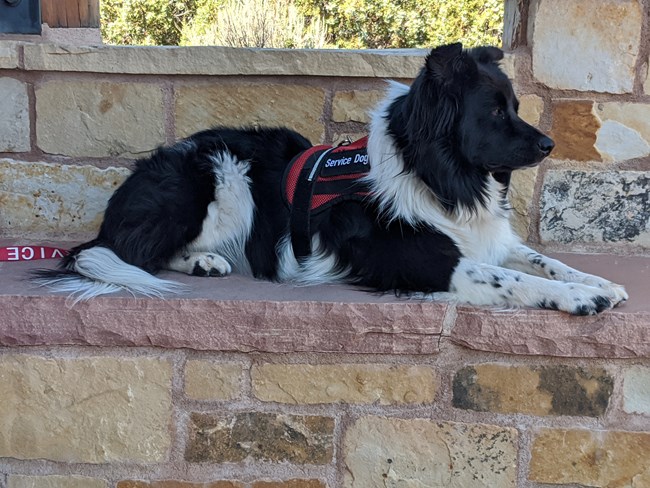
point(91, 270)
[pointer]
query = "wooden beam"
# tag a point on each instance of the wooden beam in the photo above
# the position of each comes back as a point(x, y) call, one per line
point(70, 13)
point(515, 23)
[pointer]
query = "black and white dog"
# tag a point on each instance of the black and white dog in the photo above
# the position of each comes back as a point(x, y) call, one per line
point(435, 217)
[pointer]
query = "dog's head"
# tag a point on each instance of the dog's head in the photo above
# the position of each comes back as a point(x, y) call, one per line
point(482, 109)
point(459, 122)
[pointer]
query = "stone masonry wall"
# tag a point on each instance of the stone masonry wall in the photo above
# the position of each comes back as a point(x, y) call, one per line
point(73, 118)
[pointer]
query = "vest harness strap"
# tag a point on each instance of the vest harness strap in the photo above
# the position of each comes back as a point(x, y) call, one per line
point(318, 178)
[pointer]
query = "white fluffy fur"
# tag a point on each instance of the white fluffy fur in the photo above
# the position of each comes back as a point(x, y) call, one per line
point(229, 222)
point(485, 236)
point(106, 273)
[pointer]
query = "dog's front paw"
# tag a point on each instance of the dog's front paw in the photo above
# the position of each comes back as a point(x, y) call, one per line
point(616, 293)
point(585, 300)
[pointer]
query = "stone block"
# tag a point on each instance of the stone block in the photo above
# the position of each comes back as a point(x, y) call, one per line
point(531, 108)
point(507, 65)
point(542, 390)
point(46, 200)
point(587, 45)
point(89, 410)
point(355, 105)
point(382, 384)
point(106, 119)
point(295, 106)
point(596, 207)
point(646, 85)
point(290, 484)
point(380, 451)
point(206, 380)
point(9, 55)
point(624, 132)
point(269, 437)
point(602, 459)
point(178, 484)
point(219, 60)
point(574, 131)
point(636, 390)
point(522, 188)
point(20, 481)
point(14, 116)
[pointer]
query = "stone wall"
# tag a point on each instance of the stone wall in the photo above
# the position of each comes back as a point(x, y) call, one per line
point(73, 118)
point(209, 392)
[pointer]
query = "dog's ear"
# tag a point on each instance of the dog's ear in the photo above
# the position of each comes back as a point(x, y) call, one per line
point(449, 64)
point(486, 54)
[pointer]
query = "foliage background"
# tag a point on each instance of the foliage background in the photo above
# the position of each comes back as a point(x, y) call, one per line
point(356, 24)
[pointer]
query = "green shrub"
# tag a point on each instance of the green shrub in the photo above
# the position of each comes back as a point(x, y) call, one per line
point(356, 24)
point(254, 23)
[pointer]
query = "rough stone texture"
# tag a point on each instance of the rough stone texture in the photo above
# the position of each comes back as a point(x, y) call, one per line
point(261, 437)
point(522, 188)
point(107, 409)
point(205, 380)
point(215, 60)
point(625, 130)
point(531, 108)
point(9, 54)
point(417, 453)
point(593, 458)
point(596, 206)
point(178, 484)
point(14, 115)
point(20, 481)
point(574, 131)
point(543, 390)
point(349, 383)
point(543, 333)
point(636, 390)
point(277, 318)
point(71, 36)
point(41, 200)
point(576, 48)
point(290, 484)
point(355, 105)
point(295, 106)
point(646, 85)
point(507, 65)
point(107, 119)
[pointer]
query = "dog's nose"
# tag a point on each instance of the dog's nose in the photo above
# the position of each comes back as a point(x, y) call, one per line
point(545, 145)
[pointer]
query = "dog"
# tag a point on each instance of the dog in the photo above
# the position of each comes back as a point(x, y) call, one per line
point(430, 214)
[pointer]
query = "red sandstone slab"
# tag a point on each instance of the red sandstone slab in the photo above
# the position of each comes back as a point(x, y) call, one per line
point(620, 333)
point(224, 314)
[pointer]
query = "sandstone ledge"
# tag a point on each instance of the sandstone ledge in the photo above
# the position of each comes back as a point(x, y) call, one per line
point(226, 61)
point(218, 60)
point(240, 314)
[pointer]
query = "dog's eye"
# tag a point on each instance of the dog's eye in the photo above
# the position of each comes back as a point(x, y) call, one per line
point(498, 112)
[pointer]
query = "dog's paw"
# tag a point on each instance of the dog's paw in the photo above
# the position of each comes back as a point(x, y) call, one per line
point(585, 300)
point(616, 293)
point(208, 264)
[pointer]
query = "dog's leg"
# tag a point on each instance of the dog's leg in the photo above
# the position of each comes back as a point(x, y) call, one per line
point(220, 246)
point(484, 284)
point(200, 264)
point(525, 259)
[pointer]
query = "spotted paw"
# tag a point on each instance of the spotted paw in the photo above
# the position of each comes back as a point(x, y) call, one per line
point(616, 293)
point(586, 300)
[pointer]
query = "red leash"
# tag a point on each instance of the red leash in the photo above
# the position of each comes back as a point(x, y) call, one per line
point(30, 253)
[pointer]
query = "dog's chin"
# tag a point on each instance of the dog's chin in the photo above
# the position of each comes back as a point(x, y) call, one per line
point(500, 167)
